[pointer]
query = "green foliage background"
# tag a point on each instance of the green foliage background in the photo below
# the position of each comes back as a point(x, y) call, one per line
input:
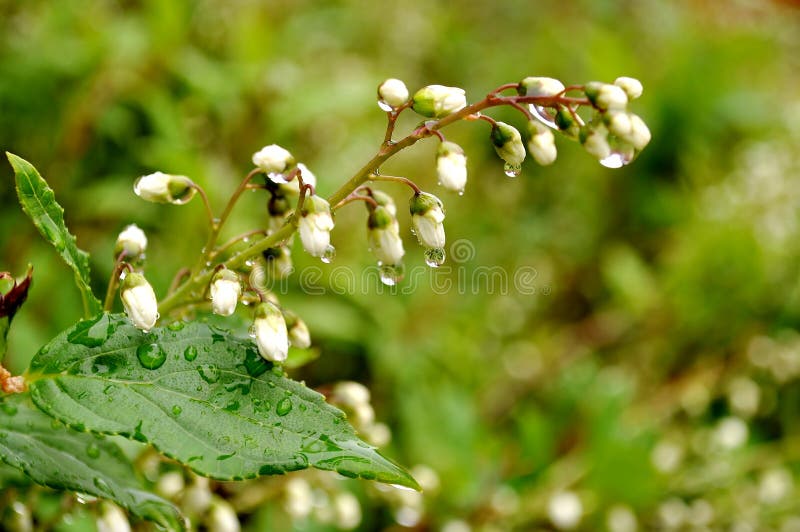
point(656, 286)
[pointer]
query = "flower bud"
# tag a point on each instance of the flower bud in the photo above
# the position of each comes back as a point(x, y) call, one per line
point(293, 187)
point(427, 215)
point(132, 241)
point(508, 144)
point(273, 159)
point(393, 92)
point(540, 86)
point(436, 101)
point(299, 498)
point(222, 518)
point(606, 97)
point(270, 331)
point(383, 234)
point(348, 510)
point(384, 200)
point(566, 123)
point(595, 141)
point(299, 335)
point(542, 143)
point(315, 226)
point(279, 261)
point(225, 291)
point(351, 393)
point(159, 187)
point(139, 301)
point(629, 128)
point(632, 86)
point(640, 134)
point(451, 166)
point(112, 519)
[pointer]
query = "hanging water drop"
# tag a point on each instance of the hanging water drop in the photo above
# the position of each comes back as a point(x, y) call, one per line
point(434, 257)
point(512, 170)
point(616, 160)
point(385, 106)
point(391, 274)
point(541, 115)
point(329, 255)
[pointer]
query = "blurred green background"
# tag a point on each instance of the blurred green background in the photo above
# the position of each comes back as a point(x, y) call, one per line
point(641, 366)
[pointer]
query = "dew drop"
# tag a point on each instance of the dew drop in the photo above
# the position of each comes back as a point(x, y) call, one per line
point(512, 170)
point(102, 485)
point(541, 115)
point(176, 410)
point(391, 274)
point(91, 333)
point(284, 406)
point(385, 106)
point(175, 326)
point(151, 356)
point(615, 160)
point(92, 450)
point(329, 254)
point(190, 353)
point(434, 257)
point(209, 373)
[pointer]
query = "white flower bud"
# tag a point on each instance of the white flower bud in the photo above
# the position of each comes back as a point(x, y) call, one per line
point(383, 234)
point(132, 241)
point(393, 91)
point(427, 215)
point(170, 484)
point(542, 144)
point(436, 101)
point(606, 97)
point(299, 335)
point(299, 498)
point(348, 510)
point(225, 291)
point(640, 133)
point(112, 519)
point(293, 186)
point(595, 142)
point(378, 434)
point(540, 86)
point(630, 128)
point(139, 301)
point(315, 226)
point(451, 166)
point(222, 518)
point(351, 393)
point(508, 143)
point(384, 200)
point(632, 86)
point(565, 510)
point(273, 159)
point(159, 187)
point(269, 328)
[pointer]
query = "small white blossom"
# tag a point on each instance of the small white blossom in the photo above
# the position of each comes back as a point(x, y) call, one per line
point(299, 498)
point(273, 159)
point(427, 216)
point(384, 200)
point(451, 166)
point(596, 142)
point(272, 337)
point(606, 97)
point(225, 291)
point(348, 510)
point(565, 510)
point(383, 233)
point(542, 144)
point(132, 241)
point(436, 101)
point(540, 86)
point(159, 187)
point(508, 143)
point(393, 91)
point(112, 519)
point(299, 335)
point(351, 393)
point(222, 518)
point(632, 86)
point(640, 133)
point(315, 226)
point(139, 301)
point(293, 186)
point(731, 432)
point(170, 484)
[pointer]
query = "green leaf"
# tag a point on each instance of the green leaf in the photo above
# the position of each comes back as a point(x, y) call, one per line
point(56, 456)
point(202, 397)
point(39, 203)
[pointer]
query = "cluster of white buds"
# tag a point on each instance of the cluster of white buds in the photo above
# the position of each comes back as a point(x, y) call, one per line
point(392, 93)
point(132, 241)
point(427, 215)
point(437, 101)
point(139, 301)
point(159, 187)
point(270, 331)
point(225, 291)
point(451, 166)
point(315, 225)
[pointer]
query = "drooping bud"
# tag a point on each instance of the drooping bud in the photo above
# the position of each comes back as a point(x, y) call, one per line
point(293, 186)
point(159, 187)
point(540, 86)
point(629, 128)
point(279, 261)
point(640, 134)
point(427, 215)
point(384, 200)
point(451, 166)
point(225, 291)
point(392, 92)
point(298, 330)
point(595, 141)
point(222, 517)
point(436, 101)
point(112, 519)
point(315, 226)
point(132, 241)
point(139, 301)
point(542, 143)
point(273, 160)
point(383, 234)
point(632, 86)
point(508, 144)
point(269, 328)
point(605, 96)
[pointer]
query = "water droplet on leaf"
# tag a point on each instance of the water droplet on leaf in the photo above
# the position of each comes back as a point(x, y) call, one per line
point(176, 410)
point(151, 356)
point(190, 353)
point(93, 451)
point(284, 406)
point(209, 373)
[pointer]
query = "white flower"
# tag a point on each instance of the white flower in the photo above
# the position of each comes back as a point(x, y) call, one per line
point(393, 91)
point(299, 498)
point(298, 330)
point(542, 144)
point(315, 226)
point(640, 134)
point(159, 187)
point(632, 86)
point(540, 86)
point(112, 519)
point(225, 291)
point(427, 216)
point(384, 200)
point(436, 101)
point(383, 234)
point(565, 510)
point(596, 143)
point(293, 186)
point(451, 166)
point(222, 518)
point(630, 128)
point(273, 159)
point(605, 96)
point(139, 301)
point(132, 241)
point(269, 328)
point(508, 143)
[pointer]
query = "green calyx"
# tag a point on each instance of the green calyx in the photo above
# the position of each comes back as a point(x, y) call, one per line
point(502, 134)
point(379, 218)
point(423, 202)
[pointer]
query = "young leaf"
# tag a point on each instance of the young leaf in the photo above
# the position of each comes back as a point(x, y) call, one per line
point(202, 397)
point(39, 203)
point(62, 458)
